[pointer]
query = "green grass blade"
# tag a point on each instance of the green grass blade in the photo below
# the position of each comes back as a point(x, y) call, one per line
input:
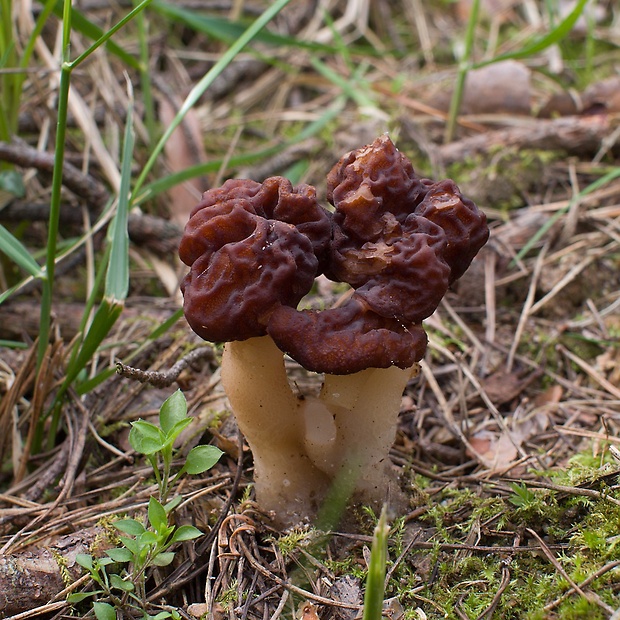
point(117, 273)
point(551, 38)
point(461, 76)
point(18, 253)
point(54, 216)
point(84, 26)
point(351, 88)
point(108, 34)
point(207, 80)
point(542, 231)
point(117, 278)
point(161, 185)
point(228, 31)
point(375, 582)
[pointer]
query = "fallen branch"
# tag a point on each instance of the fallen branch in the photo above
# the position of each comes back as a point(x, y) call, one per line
point(33, 578)
point(573, 134)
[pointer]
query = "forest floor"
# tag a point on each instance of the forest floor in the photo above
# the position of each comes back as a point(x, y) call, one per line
point(507, 444)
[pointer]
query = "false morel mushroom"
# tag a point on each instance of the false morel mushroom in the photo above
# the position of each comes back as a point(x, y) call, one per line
point(254, 250)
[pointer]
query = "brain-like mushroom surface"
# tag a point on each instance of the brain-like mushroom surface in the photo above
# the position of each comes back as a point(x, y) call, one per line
point(399, 241)
point(251, 248)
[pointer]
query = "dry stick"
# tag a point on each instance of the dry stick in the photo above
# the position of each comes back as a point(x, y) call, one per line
point(289, 586)
point(446, 408)
point(525, 312)
point(464, 327)
point(165, 378)
point(83, 186)
point(489, 303)
point(38, 611)
point(579, 491)
point(573, 134)
point(572, 274)
point(490, 610)
point(487, 401)
point(580, 432)
point(590, 596)
point(586, 582)
point(604, 383)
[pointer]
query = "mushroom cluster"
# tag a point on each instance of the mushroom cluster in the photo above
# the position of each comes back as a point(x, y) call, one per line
point(254, 251)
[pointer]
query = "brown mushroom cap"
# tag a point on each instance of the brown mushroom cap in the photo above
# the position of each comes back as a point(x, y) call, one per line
point(464, 224)
point(345, 340)
point(398, 240)
point(251, 247)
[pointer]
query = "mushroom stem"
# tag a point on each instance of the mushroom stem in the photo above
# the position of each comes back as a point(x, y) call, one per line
point(366, 407)
point(351, 426)
point(267, 412)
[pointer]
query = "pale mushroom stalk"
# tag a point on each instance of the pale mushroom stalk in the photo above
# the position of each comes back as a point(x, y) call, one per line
point(266, 409)
point(366, 425)
point(364, 409)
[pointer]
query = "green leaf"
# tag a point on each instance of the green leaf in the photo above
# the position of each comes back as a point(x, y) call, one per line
point(104, 562)
point(146, 438)
point(149, 538)
point(185, 532)
point(133, 546)
point(121, 584)
point(104, 611)
point(120, 554)
point(202, 458)
point(176, 430)
point(85, 561)
point(117, 276)
point(78, 597)
point(12, 182)
point(551, 38)
point(163, 559)
point(158, 518)
point(173, 410)
point(18, 253)
point(129, 526)
point(173, 503)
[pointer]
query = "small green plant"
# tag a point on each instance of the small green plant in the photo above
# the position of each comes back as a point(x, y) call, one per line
point(146, 546)
point(143, 547)
point(522, 497)
point(157, 444)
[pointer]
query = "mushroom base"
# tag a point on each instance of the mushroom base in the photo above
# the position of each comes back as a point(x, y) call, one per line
point(309, 450)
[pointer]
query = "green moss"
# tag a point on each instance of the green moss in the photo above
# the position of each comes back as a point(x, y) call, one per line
point(503, 177)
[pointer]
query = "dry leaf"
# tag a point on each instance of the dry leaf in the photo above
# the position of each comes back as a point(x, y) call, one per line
point(500, 87)
point(502, 386)
point(552, 395)
point(503, 87)
point(498, 449)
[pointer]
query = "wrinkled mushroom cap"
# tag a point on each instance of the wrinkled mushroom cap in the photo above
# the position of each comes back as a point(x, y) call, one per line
point(251, 247)
point(398, 240)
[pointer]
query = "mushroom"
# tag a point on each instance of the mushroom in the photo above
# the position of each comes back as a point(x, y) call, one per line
point(254, 251)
